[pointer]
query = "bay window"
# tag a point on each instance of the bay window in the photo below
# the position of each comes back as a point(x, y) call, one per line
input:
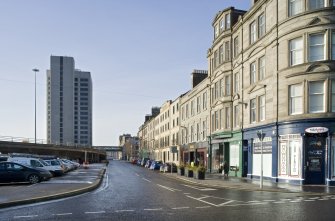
point(227, 112)
point(316, 47)
point(227, 21)
point(253, 33)
point(227, 81)
point(295, 7)
point(262, 108)
point(316, 97)
point(236, 83)
point(296, 51)
point(315, 4)
point(252, 110)
point(261, 64)
point(253, 73)
point(236, 116)
point(261, 25)
point(295, 99)
point(236, 46)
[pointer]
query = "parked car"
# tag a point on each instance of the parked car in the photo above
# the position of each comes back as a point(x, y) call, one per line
point(13, 172)
point(56, 162)
point(155, 165)
point(3, 157)
point(148, 164)
point(68, 164)
point(144, 161)
point(35, 163)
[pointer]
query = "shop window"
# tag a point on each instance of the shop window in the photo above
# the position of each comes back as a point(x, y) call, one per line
point(290, 155)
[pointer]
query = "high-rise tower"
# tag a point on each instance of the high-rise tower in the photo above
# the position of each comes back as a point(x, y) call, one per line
point(69, 103)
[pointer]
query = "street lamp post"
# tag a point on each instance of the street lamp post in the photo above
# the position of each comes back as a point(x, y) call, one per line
point(35, 70)
point(261, 136)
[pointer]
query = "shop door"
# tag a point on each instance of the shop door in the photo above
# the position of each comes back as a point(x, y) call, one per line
point(315, 159)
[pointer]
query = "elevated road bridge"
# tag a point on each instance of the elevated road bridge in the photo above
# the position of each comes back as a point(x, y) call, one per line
point(62, 151)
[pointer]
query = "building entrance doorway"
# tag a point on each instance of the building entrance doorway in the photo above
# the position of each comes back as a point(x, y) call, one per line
point(315, 146)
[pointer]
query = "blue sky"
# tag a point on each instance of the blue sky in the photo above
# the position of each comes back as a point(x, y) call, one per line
point(140, 53)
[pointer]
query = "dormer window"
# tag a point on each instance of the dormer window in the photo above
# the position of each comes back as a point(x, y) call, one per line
point(222, 25)
point(216, 31)
point(227, 21)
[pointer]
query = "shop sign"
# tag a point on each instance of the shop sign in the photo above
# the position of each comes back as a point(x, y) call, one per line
point(267, 145)
point(316, 130)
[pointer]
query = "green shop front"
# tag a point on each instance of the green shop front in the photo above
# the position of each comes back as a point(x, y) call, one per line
point(228, 146)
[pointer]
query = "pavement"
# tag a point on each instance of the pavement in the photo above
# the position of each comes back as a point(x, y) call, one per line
point(219, 181)
point(73, 183)
point(85, 180)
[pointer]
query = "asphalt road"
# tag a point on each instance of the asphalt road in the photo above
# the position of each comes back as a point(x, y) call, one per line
point(130, 192)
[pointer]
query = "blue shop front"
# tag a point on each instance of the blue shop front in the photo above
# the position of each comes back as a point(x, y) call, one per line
point(300, 153)
point(306, 152)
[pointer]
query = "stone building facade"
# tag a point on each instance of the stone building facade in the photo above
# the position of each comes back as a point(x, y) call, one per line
point(270, 94)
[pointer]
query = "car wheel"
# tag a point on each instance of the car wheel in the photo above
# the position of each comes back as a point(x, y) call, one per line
point(33, 179)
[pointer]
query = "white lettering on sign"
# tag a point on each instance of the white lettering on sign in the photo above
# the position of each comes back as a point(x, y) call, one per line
point(316, 130)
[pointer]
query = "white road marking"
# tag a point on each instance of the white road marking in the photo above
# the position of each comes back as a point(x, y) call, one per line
point(309, 200)
point(295, 201)
point(323, 199)
point(204, 197)
point(314, 198)
point(124, 210)
point(147, 180)
point(185, 207)
point(225, 203)
point(199, 188)
point(186, 193)
point(212, 204)
point(269, 200)
point(254, 201)
point(137, 174)
point(279, 202)
point(168, 188)
point(155, 209)
point(202, 207)
point(62, 214)
point(95, 212)
point(31, 216)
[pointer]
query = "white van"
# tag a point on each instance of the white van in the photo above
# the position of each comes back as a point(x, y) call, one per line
point(35, 162)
